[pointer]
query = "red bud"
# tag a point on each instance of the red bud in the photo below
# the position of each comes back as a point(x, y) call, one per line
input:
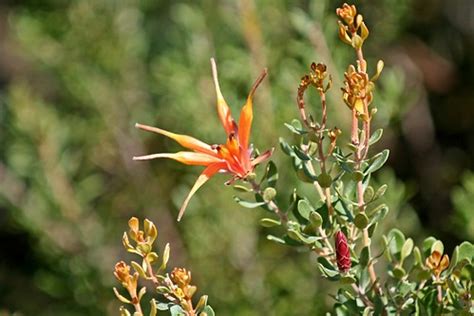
point(343, 255)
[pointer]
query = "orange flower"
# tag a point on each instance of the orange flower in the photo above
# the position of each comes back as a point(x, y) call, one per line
point(234, 157)
point(437, 262)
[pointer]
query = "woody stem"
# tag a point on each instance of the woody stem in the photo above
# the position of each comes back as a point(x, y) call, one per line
point(322, 156)
point(362, 295)
point(152, 276)
point(359, 157)
point(440, 294)
point(360, 154)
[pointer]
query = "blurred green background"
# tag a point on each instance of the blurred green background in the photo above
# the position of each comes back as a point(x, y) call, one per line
point(76, 75)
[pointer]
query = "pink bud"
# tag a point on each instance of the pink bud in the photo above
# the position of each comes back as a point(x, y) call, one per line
point(343, 255)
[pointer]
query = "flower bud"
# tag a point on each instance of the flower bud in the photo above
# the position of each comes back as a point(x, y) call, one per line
point(347, 13)
point(181, 277)
point(343, 256)
point(122, 272)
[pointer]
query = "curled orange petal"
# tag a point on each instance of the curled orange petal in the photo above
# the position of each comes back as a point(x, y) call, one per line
point(185, 157)
point(203, 178)
point(223, 109)
point(444, 263)
point(246, 115)
point(184, 140)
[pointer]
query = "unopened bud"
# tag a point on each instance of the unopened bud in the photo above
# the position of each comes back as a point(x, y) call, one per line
point(122, 272)
point(269, 194)
point(343, 256)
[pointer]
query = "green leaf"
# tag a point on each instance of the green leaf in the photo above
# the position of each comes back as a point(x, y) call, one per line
point(437, 246)
point(398, 272)
point(342, 207)
point(271, 174)
point(153, 310)
point(376, 162)
point(209, 311)
point(396, 239)
point(177, 310)
point(361, 220)
point(312, 177)
point(269, 222)
point(348, 279)
point(345, 166)
point(426, 246)
point(301, 154)
point(380, 192)
point(324, 212)
point(364, 257)
point(303, 176)
point(357, 176)
point(466, 251)
point(276, 239)
point(423, 274)
point(406, 249)
point(324, 180)
point(298, 236)
point(241, 188)
point(296, 127)
point(248, 204)
point(371, 229)
point(124, 311)
point(315, 219)
point(304, 208)
point(369, 194)
point(417, 254)
point(462, 254)
point(373, 211)
point(327, 269)
point(326, 263)
point(375, 137)
point(138, 268)
point(285, 147)
point(201, 304)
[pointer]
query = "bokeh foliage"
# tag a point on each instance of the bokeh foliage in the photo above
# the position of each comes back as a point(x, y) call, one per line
point(78, 74)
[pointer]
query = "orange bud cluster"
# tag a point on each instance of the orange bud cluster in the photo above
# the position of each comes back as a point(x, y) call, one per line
point(129, 282)
point(122, 272)
point(347, 13)
point(144, 238)
point(357, 90)
point(352, 29)
point(182, 279)
point(316, 78)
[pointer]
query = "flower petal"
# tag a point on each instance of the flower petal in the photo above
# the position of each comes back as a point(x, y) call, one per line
point(203, 178)
point(246, 115)
point(262, 157)
point(184, 140)
point(223, 109)
point(186, 157)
